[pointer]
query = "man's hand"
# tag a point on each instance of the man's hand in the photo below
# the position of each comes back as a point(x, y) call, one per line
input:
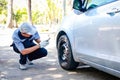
point(44, 43)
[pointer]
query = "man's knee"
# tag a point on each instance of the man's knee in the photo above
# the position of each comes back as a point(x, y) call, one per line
point(44, 52)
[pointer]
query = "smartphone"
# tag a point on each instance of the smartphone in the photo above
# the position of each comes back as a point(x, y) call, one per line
point(48, 39)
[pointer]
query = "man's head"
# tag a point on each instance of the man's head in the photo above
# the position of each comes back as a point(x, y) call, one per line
point(27, 29)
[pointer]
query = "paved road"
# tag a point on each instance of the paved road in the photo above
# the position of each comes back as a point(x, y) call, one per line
point(43, 69)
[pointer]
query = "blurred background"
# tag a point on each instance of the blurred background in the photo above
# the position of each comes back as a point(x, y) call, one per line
point(46, 14)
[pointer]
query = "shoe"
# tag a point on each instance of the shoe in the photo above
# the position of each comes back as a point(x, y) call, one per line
point(23, 66)
point(29, 62)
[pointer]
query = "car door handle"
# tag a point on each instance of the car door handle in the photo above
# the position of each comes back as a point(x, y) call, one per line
point(112, 13)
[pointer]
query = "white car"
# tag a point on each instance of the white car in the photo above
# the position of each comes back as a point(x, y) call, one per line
point(90, 34)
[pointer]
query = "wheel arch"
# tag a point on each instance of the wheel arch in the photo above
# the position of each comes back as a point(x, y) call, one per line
point(58, 36)
point(71, 40)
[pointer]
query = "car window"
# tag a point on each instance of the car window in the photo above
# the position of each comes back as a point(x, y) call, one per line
point(96, 3)
point(77, 4)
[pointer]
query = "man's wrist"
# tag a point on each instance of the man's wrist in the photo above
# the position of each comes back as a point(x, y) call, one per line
point(39, 46)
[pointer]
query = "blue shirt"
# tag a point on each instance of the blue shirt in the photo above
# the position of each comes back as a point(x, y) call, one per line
point(19, 42)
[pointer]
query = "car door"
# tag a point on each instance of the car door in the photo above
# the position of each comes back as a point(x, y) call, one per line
point(97, 34)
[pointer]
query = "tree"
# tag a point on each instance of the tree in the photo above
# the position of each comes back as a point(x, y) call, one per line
point(29, 11)
point(53, 12)
point(3, 4)
point(3, 11)
point(10, 14)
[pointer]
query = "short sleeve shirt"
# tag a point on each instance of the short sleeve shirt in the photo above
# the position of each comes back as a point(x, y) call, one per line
point(19, 42)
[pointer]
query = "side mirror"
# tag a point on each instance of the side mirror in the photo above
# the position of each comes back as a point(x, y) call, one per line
point(77, 5)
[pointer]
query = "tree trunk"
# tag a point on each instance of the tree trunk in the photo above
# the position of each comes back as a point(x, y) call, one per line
point(64, 7)
point(29, 11)
point(9, 23)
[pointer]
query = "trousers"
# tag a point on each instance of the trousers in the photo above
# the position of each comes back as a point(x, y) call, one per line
point(39, 53)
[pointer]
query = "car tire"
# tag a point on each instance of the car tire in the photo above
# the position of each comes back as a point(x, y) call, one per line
point(65, 55)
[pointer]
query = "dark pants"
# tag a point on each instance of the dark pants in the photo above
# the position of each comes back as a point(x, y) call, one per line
point(39, 53)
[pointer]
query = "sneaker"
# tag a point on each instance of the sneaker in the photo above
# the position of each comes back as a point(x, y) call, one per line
point(29, 62)
point(23, 67)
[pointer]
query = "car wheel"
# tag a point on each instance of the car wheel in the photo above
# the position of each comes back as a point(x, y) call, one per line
point(65, 56)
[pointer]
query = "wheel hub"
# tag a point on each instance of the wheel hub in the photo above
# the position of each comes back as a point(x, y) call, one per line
point(65, 51)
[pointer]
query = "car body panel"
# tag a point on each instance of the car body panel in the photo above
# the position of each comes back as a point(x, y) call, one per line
point(100, 36)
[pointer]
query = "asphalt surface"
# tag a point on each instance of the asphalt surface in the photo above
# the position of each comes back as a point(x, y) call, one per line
point(46, 68)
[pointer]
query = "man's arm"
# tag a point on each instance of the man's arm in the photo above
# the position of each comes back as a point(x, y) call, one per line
point(29, 50)
point(38, 41)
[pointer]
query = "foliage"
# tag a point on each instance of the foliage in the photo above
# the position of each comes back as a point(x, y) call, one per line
point(3, 6)
point(20, 15)
point(3, 11)
point(53, 12)
point(37, 17)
